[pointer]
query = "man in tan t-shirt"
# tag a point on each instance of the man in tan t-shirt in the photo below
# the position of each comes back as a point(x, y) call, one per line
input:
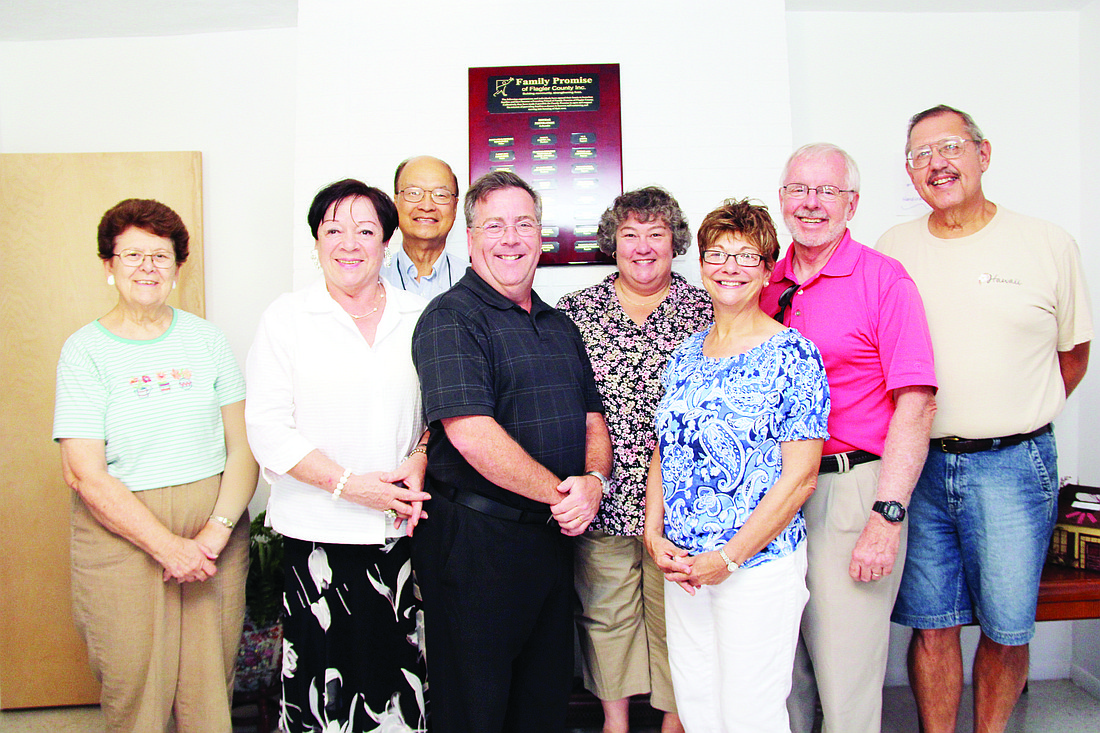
point(1010, 321)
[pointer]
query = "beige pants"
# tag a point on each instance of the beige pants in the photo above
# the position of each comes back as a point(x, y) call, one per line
point(159, 647)
point(846, 624)
point(622, 620)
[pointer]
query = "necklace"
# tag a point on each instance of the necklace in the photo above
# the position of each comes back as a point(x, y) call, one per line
point(373, 310)
point(643, 303)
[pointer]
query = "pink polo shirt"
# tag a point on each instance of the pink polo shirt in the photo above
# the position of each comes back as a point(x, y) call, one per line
point(863, 312)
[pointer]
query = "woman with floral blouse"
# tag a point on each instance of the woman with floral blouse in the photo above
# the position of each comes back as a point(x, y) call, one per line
point(740, 428)
point(631, 322)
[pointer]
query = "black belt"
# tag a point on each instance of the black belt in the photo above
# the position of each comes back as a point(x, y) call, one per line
point(844, 462)
point(492, 507)
point(952, 444)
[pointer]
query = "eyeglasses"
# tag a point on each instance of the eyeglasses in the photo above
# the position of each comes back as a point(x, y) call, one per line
point(785, 299)
point(948, 148)
point(719, 257)
point(825, 193)
point(135, 258)
point(415, 194)
point(495, 230)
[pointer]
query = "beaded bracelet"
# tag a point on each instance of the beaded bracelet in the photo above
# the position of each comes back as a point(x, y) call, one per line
point(340, 484)
point(420, 448)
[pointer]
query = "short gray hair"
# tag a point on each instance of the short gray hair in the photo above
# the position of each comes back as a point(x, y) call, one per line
point(821, 151)
point(495, 181)
point(971, 126)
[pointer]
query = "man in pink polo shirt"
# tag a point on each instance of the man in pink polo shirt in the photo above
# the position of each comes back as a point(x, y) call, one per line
point(863, 312)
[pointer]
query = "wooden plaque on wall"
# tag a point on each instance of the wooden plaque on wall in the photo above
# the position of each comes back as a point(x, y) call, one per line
point(53, 283)
point(558, 128)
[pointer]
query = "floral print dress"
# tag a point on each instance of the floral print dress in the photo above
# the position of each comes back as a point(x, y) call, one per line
point(628, 360)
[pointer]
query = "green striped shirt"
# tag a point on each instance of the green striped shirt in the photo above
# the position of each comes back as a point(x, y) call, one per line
point(156, 404)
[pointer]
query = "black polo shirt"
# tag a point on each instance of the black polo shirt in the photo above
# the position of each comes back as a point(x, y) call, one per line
point(478, 353)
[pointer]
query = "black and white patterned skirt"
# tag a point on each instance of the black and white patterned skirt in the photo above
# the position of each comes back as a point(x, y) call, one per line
point(353, 655)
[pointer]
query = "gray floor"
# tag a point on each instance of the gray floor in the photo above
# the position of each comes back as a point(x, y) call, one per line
point(1050, 706)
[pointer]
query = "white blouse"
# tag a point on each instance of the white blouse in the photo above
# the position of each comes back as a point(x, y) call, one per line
point(315, 383)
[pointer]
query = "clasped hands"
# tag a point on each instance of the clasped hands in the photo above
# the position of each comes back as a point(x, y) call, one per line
point(399, 491)
point(580, 501)
point(189, 560)
point(687, 571)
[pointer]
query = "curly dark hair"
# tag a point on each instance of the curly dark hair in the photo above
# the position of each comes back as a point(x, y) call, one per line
point(646, 204)
point(746, 217)
point(145, 214)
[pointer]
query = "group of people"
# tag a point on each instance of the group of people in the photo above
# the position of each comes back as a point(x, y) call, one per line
point(742, 485)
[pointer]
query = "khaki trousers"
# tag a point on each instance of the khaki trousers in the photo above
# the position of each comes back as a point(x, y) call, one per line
point(159, 647)
point(622, 620)
point(846, 625)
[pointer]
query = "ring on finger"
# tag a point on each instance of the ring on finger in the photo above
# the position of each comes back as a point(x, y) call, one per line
point(391, 514)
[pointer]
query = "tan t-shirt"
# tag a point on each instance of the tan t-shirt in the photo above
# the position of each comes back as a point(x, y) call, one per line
point(1000, 304)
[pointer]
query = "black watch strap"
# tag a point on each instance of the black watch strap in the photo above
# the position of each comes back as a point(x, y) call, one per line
point(891, 511)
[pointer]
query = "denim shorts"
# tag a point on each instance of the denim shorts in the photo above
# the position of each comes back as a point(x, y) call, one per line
point(979, 530)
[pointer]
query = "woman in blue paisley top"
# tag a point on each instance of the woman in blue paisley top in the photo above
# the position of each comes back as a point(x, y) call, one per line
point(631, 321)
point(740, 430)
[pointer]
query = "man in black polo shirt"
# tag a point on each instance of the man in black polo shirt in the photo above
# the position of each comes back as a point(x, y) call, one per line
point(518, 456)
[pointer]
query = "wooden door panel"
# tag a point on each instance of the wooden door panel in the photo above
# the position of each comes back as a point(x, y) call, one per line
point(51, 283)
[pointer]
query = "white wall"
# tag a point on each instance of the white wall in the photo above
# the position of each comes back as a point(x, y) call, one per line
point(1090, 225)
point(1018, 74)
point(1086, 634)
point(705, 104)
point(227, 95)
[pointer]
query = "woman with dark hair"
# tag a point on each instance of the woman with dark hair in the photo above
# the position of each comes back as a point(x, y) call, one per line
point(630, 322)
point(336, 424)
point(150, 417)
point(740, 429)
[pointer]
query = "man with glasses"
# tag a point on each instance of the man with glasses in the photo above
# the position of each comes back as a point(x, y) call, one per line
point(862, 311)
point(425, 190)
point(517, 463)
point(1010, 321)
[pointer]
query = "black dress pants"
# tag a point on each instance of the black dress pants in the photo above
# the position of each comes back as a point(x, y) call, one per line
point(498, 619)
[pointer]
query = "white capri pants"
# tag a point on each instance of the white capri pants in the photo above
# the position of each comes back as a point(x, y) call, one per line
point(731, 647)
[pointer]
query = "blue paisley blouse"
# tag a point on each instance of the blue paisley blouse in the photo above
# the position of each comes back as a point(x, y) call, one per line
point(627, 360)
point(720, 425)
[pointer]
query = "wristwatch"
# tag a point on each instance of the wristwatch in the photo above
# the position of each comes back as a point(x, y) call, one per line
point(892, 511)
point(604, 481)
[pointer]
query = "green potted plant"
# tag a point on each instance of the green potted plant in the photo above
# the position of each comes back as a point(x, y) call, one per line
point(259, 658)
